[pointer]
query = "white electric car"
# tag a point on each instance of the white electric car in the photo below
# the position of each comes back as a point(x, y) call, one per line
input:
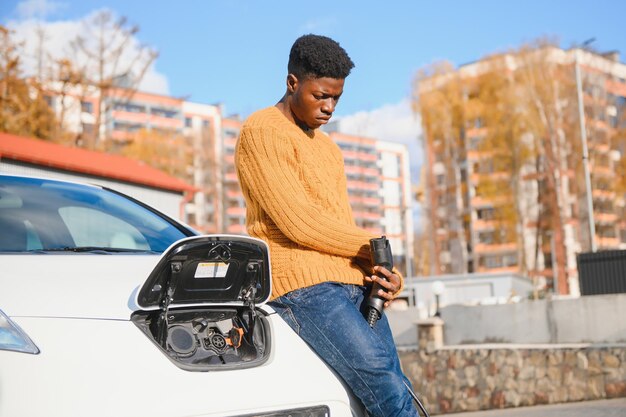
point(110, 308)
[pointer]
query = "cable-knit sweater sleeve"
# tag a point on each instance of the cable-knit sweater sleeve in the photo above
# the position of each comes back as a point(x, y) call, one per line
point(270, 171)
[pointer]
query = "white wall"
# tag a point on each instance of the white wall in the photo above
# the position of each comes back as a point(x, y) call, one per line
point(588, 319)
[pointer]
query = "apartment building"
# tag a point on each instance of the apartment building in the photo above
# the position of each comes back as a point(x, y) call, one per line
point(466, 220)
point(203, 132)
point(192, 132)
point(363, 180)
point(233, 202)
point(379, 185)
point(397, 221)
point(126, 113)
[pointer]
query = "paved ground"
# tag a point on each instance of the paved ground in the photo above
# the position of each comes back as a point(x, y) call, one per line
point(601, 408)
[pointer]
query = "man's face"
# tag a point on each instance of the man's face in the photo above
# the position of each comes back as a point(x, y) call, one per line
point(314, 100)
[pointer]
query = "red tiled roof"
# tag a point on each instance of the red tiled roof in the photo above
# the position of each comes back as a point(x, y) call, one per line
point(78, 160)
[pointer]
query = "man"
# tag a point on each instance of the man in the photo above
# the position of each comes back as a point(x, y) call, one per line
point(292, 177)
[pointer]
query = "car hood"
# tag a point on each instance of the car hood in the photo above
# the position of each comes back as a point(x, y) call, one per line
point(73, 285)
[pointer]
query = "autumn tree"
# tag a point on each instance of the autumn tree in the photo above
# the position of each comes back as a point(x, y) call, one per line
point(548, 97)
point(109, 57)
point(23, 108)
point(507, 153)
point(513, 114)
point(618, 142)
point(440, 101)
point(167, 152)
point(208, 169)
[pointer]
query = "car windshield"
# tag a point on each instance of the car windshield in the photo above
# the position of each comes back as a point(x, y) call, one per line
point(42, 216)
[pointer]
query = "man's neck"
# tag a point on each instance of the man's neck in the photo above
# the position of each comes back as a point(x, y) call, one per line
point(284, 108)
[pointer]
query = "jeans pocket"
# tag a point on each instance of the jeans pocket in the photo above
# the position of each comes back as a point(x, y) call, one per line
point(296, 296)
point(285, 313)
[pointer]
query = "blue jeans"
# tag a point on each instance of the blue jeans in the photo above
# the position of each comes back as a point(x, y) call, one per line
point(329, 317)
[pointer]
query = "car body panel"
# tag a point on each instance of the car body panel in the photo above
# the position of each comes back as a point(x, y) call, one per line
point(72, 379)
point(72, 285)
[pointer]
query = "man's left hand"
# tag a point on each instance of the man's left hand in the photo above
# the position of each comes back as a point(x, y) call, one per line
point(390, 285)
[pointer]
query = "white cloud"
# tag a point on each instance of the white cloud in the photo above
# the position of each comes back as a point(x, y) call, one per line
point(57, 36)
point(154, 82)
point(392, 123)
point(321, 25)
point(28, 9)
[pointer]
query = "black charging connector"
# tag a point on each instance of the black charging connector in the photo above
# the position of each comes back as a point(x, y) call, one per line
point(380, 253)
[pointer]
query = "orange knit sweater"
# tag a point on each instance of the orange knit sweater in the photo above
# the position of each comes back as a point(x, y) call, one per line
point(297, 201)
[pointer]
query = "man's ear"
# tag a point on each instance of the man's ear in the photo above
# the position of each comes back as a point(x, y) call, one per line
point(292, 83)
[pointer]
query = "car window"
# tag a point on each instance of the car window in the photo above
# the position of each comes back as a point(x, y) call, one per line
point(32, 239)
point(45, 215)
point(90, 227)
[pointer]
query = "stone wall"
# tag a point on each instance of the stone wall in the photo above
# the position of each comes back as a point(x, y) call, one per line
point(480, 377)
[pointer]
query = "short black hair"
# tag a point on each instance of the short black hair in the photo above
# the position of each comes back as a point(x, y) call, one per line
point(318, 56)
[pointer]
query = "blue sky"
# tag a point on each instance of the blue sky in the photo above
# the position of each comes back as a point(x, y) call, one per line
point(235, 52)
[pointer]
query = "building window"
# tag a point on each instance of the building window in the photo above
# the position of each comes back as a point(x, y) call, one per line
point(486, 237)
point(474, 142)
point(606, 231)
point(230, 133)
point(485, 213)
point(86, 106)
point(129, 107)
point(486, 166)
point(127, 127)
point(510, 259)
point(187, 121)
point(491, 262)
point(88, 129)
point(477, 123)
point(161, 112)
point(49, 101)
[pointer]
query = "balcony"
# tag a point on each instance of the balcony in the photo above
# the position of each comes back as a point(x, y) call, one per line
point(490, 248)
point(363, 215)
point(165, 122)
point(236, 229)
point(359, 156)
point(500, 269)
point(231, 177)
point(365, 201)
point(608, 242)
point(229, 159)
point(230, 142)
point(602, 194)
point(234, 194)
point(606, 218)
point(362, 185)
point(120, 115)
point(364, 171)
point(235, 211)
